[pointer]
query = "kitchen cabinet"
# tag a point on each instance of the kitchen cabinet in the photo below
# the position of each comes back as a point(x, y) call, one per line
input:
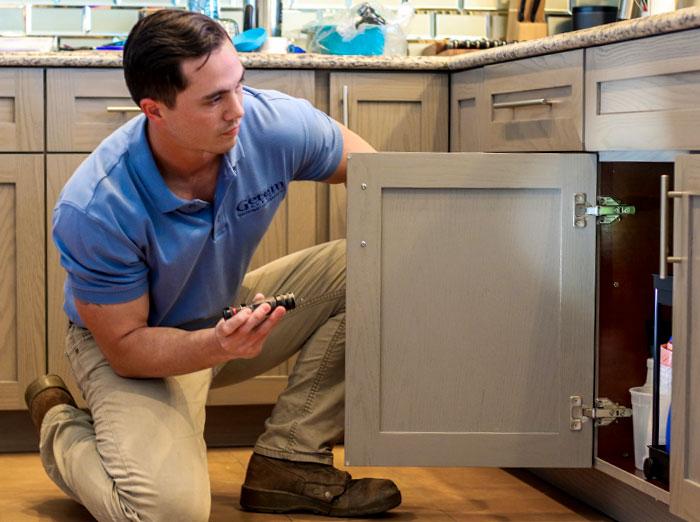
point(22, 352)
point(643, 94)
point(685, 452)
point(21, 110)
point(398, 112)
point(443, 379)
point(486, 348)
point(534, 104)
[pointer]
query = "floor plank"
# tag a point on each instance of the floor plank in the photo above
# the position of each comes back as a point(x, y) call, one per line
point(430, 494)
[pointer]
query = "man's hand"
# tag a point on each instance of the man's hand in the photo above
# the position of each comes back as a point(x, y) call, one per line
point(242, 336)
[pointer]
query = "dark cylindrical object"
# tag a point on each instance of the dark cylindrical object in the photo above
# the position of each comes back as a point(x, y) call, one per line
point(585, 16)
point(285, 300)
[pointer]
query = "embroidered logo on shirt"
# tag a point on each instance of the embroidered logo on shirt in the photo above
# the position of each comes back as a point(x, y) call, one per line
point(258, 201)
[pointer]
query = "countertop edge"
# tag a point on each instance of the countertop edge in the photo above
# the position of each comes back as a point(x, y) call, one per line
point(680, 20)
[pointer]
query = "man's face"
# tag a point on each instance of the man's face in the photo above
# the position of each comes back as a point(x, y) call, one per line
point(207, 114)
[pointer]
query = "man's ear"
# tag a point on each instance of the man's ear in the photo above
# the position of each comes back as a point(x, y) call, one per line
point(151, 108)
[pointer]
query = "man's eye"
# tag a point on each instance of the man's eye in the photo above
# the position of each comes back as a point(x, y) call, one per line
point(215, 99)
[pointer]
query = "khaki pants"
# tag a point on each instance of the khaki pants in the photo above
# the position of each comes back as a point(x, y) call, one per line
point(140, 453)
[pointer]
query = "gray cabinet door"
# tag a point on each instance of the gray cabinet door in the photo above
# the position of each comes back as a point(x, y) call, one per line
point(470, 309)
point(685, 435)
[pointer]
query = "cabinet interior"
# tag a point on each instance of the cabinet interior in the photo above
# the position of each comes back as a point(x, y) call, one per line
point(628, 258)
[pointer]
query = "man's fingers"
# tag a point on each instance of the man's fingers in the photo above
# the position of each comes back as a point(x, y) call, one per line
point(274, 318)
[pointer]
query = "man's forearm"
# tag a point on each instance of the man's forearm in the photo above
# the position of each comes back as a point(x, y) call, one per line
point(162, 352)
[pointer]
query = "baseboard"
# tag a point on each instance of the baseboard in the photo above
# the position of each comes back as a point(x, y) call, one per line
point(608, 495)
point(226, 426)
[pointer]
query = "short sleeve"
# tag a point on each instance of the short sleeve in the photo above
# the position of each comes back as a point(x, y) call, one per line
point(103, 265)
point(323, 144)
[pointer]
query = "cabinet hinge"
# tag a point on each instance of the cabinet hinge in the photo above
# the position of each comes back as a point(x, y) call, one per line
point(605, 412)
point(606, 212)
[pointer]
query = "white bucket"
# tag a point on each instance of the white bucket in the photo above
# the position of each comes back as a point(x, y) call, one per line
point(641, 421)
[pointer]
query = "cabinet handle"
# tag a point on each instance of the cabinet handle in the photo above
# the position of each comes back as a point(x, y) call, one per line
point(663, 229)
point(123, 109)
point(346, 116)
point(663, 239)
point(523, 103)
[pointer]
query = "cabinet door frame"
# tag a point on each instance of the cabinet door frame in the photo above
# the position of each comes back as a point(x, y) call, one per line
point(685, 420)
point(22, 102)
point(370, 438)
point(26, 174)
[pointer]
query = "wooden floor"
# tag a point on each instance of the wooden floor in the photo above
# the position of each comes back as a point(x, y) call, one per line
point(429, 494)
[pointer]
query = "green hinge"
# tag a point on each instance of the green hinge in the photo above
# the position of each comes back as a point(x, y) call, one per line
point(608, 210)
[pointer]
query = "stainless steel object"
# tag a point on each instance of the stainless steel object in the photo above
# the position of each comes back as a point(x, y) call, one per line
point(523, 103)
point(263, 13)
point(346, 115)
point(663, 239)
point(124, 109)
point(625, 9)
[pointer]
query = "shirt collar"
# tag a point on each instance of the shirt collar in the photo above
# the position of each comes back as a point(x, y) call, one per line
point(144, 166)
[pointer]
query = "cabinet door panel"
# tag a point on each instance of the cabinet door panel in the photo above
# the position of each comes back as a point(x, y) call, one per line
point(22, 350)
point(470, 310)
point(685, 436)
point(21, 110)
point(534, 104)
point(59, 168)
point(395, 112)
point(84, 106)
point(644, 94)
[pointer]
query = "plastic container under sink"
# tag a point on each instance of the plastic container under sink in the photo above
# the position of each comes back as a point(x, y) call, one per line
point(642, 417)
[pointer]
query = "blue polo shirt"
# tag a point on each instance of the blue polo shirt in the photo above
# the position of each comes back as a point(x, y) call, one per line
point(121, 232)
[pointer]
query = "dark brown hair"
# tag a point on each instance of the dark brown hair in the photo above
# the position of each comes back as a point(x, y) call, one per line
point(158, 44)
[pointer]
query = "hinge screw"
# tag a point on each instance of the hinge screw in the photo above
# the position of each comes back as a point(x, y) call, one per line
point(364, 186)
point(363, 244)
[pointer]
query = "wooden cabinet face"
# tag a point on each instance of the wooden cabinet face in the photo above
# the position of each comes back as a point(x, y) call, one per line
point(465, 98)
point(394, 112)
point(685, 436)
point(644, 94)
point(22, 350)
point(470, 310)
point(21, 110)
point(84, 106)
point(535, 104)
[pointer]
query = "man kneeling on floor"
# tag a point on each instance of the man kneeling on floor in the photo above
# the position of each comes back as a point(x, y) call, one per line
point(155, 230)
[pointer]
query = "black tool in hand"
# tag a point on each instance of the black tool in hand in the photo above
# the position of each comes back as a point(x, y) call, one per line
point(285, 300)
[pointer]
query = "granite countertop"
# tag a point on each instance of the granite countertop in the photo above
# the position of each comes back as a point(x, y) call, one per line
point(682, 19)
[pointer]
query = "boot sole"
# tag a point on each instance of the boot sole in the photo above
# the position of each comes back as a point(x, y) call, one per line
point(273, 501)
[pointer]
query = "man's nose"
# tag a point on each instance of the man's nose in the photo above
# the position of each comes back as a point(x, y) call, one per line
point(234, 110)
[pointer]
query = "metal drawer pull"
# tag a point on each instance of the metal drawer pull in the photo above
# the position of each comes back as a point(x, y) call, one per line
point(663, 234)
point(346, 115)
point(132, 108)
point(524, 103)
point(663, 227)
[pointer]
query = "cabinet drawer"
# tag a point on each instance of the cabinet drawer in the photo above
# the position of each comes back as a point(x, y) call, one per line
point(534, 104)
point(644, 94)
point(21, 110)
point(84, 106)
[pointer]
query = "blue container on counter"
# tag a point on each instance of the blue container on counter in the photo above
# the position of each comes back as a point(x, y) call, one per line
point(369, 42)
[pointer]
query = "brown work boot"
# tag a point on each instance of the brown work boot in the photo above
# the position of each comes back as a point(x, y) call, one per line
point(284, 486)
point(44, 393)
